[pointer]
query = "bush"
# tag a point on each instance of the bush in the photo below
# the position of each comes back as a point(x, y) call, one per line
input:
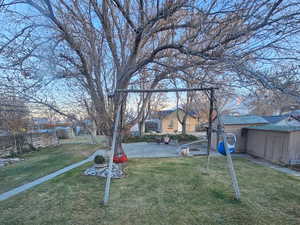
point(184, 137)
point(154, 137)
point(99, 159)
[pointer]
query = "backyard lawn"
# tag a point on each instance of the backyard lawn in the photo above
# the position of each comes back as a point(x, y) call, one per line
point(82, 139)
point(43, 162)
point(162, 191)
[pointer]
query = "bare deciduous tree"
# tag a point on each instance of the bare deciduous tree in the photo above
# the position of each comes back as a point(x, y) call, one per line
point(106, 44)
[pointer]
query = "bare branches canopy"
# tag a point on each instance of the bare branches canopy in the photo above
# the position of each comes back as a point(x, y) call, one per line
point(104, 45)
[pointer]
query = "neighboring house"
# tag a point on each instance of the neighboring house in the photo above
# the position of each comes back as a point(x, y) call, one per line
point(235, 124)
point(167, 121)
point(40, 122)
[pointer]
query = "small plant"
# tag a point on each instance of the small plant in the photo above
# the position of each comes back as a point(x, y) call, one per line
point(99, 159)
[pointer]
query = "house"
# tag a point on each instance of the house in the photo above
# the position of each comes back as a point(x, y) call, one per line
point(166, 121)
point(235, 124)
point(275, 143)
point(40, 122)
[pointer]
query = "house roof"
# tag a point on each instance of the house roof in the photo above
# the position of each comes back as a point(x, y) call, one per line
point(41, 131)
point(40, 120)
point(271, 127)
point(164, 113)
point(246, 119)
point(295, 113)
point(4, 133)
point(275, 119)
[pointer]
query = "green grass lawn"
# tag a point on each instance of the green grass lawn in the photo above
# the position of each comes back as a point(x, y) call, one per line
point(162, 191)
point(41, 163)
point(83, 139)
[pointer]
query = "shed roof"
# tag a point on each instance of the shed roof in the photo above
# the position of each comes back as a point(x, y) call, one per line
point(271, 127)
point(246, 119)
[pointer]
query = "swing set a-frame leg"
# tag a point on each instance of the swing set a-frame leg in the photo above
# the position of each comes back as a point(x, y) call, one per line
point(231, 169)
point(113, 149)
point(209, 131)
point(230, 166)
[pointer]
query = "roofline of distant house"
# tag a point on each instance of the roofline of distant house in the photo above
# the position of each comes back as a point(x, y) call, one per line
point(171, 111)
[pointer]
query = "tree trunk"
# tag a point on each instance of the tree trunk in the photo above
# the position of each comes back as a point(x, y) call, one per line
point(141, 128)
point(92, 135)
point(119, 151)
point(183, 127)
point(183, 124)
point(15, 145)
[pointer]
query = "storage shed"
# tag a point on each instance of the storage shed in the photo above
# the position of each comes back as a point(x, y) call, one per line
point(235, 124)
point(277, 144)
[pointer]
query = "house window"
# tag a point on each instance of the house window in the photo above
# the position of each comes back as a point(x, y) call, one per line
point(171, 124)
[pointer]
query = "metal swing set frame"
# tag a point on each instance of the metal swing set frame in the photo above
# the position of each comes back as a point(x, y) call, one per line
point(210, 91)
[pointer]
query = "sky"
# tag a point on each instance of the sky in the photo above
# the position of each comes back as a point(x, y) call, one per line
point(60, 90)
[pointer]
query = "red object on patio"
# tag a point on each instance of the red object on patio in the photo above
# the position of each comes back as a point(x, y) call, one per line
point(121, 158)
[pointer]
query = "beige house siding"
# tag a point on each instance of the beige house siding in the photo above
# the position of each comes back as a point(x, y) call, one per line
point(170, 123)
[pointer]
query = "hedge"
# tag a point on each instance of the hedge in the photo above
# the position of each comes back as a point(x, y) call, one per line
point(153, 138)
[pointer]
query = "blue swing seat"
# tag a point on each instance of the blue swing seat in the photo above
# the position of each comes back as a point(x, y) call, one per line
point(221, 148)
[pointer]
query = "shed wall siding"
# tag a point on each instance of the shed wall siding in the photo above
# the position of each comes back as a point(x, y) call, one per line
point(294, 146)
point(270, 145)
point(237, 130)
point(256, 144)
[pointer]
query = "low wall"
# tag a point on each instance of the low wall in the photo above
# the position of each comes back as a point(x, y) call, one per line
point(21, 143)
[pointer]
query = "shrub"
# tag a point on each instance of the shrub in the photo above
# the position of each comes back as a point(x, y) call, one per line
point(99, 159)
point(184, 137)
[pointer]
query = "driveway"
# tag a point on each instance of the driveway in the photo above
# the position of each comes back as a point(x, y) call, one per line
point(149, 150)
point(154, 150)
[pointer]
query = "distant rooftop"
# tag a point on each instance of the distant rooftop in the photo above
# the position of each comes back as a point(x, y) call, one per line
point(294, 113)
point(246, 119)
point(164, 113)
point(272, 127)
point(275, 119)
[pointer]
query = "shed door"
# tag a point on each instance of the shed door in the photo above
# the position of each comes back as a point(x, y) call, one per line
point(274, 148)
